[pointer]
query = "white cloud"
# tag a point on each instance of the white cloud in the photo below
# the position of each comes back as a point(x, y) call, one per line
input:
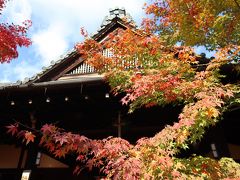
point(24, 70)
point(18, 11)
point(50, 43)
point(56, 23)
point(62, 20)
point(17, 71)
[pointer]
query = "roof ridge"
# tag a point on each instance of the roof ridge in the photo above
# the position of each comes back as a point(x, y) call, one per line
point(115, 13)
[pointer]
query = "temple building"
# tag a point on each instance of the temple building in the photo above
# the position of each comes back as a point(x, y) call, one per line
point(72, 95)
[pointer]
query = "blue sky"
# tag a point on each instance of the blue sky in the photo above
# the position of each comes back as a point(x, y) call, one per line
point(56, 28)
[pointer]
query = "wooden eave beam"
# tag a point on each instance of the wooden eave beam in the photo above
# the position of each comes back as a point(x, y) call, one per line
point(72, 66)
point(56, 69)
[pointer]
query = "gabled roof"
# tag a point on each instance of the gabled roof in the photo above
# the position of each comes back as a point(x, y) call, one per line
point(117, 18)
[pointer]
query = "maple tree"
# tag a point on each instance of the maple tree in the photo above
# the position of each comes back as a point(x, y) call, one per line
point(12, 36)
point(211, 23)
point(151, 71)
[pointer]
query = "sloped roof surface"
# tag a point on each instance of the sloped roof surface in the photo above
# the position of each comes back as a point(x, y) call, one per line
point(116, 15)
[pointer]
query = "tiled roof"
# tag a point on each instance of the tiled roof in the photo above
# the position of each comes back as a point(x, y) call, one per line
point(116, 13)
point(53, 64)
point(113, 13)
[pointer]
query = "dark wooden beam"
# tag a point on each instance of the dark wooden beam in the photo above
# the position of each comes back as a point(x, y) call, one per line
point(72, 66)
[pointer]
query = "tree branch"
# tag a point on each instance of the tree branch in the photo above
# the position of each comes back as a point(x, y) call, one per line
point(234, 109)
point(27, 127)
point(205, 64)
point(237, 3)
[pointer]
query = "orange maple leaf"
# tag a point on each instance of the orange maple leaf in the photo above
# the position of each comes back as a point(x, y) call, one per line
point(29, 136)
point(212, 112)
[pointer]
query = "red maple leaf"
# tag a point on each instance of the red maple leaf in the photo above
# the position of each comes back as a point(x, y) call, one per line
point(80, 157)
point(21, 134)
point(60, 153)
point(47, 128)
point(50, 146)
point(11, 37)
point(61, 139)
point(77, 170)
point(12, 129)
point(125, 100)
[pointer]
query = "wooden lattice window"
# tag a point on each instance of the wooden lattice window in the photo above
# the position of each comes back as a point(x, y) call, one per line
point(83, 68)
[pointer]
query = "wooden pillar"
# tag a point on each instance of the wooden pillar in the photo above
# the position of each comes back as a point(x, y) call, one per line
point(219, 144)
point(119, 124)
point(20, 161)
point(32, 148)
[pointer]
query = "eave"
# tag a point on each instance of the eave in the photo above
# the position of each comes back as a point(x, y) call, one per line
point(54, 84)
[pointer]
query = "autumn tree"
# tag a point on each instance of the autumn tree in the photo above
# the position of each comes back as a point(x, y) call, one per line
point(150, 71)
point(213, 24)
point(11, 37)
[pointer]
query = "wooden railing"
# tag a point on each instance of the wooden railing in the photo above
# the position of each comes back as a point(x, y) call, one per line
point(85, 68)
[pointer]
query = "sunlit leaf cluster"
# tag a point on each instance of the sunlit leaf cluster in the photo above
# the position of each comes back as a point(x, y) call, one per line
point(205, 22)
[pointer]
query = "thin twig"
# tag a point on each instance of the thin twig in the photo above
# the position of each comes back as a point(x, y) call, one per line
point(234, 109)
point(237, 3)
point(204, 64)
point(27, 127)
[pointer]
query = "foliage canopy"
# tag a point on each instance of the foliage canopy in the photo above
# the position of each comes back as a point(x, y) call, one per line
point(12, 36)
point(211, 23)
